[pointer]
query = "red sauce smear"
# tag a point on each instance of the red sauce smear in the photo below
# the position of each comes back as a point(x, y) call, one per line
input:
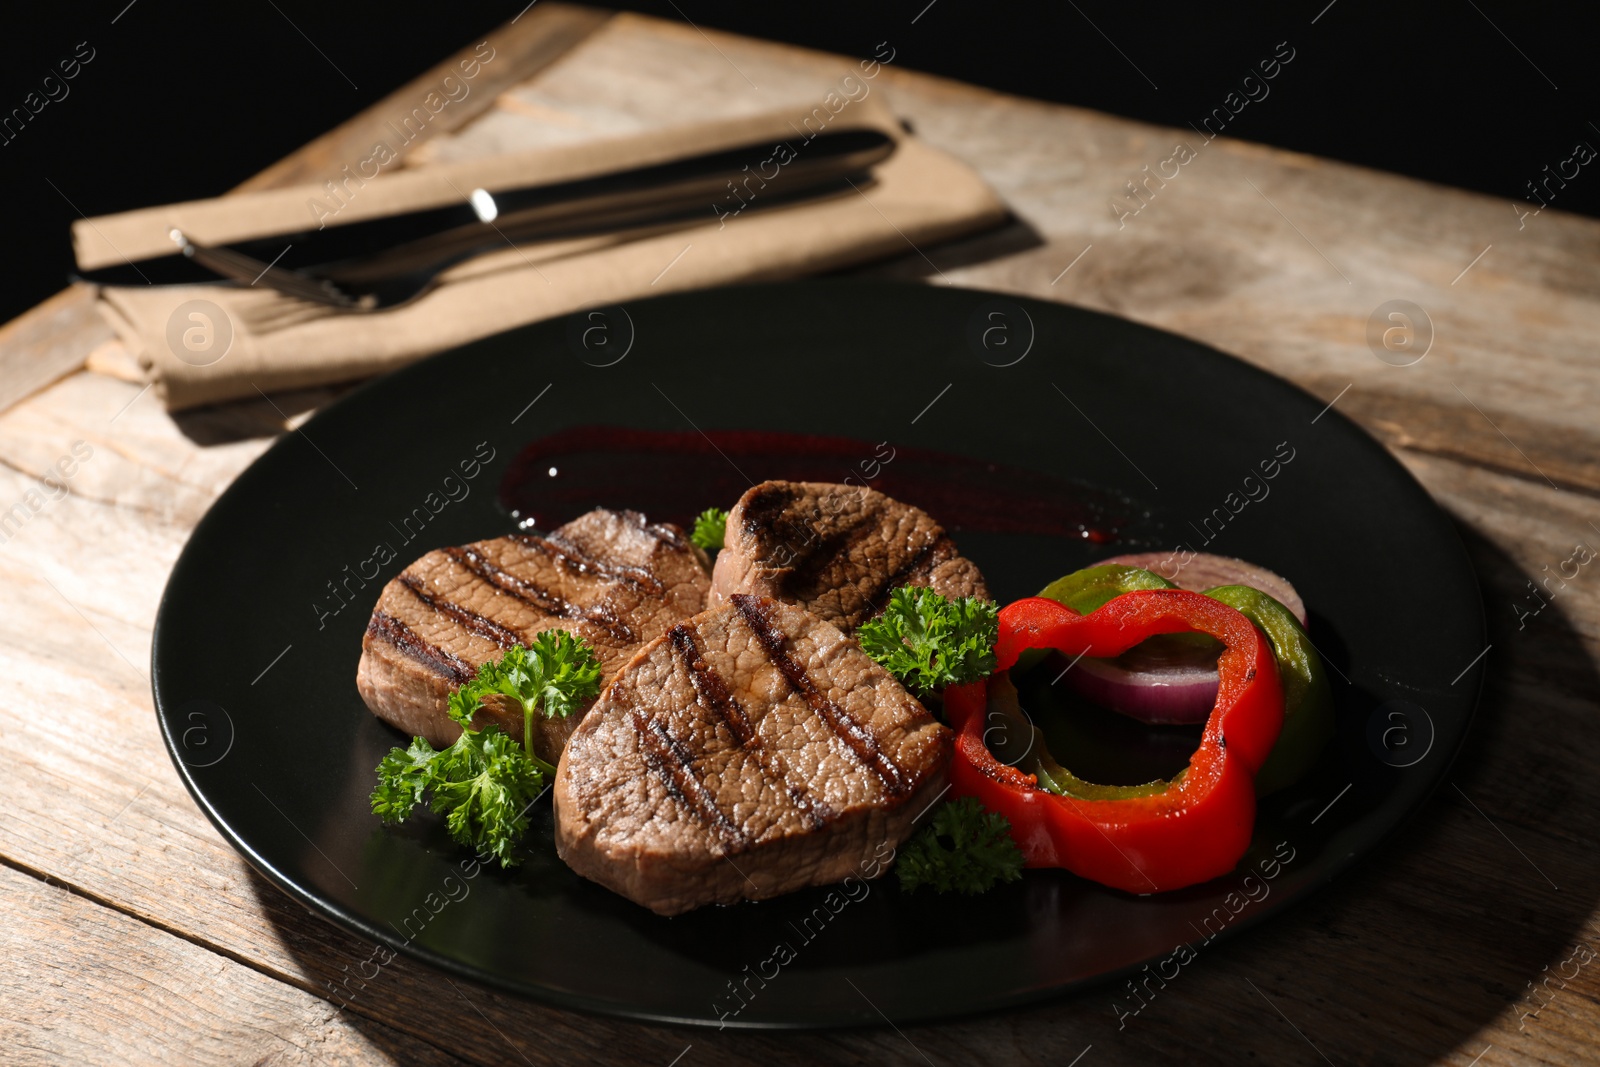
point(672, 476)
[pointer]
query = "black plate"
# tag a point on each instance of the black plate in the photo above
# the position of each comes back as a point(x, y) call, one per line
point(254, 671)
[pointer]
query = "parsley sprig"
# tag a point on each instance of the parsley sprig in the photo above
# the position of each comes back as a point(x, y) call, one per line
point(929, 642)
point(485, 782)
point(554, 676)
point(710, 529)
point(966, 849)
point(483, 785)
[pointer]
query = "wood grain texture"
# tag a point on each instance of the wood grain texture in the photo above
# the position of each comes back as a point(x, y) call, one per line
point(1424, 954)
point(47, 342)
point(132, 994)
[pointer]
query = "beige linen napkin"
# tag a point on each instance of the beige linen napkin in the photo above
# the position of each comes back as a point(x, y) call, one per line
point(917, 197)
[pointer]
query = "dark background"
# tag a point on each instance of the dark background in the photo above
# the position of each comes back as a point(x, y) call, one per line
point(184, 100)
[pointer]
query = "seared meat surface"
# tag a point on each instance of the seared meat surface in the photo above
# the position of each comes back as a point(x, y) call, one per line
point(836, 550)
point(747, 752)
point(610, 577)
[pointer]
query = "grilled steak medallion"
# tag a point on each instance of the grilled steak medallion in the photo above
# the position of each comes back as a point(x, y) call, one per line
point(836, 550)
point(608, 576)
point(747, 752)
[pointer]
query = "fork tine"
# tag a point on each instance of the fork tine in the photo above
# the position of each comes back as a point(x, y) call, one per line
point(234, 264)
point(285, 311)
point(240, 267)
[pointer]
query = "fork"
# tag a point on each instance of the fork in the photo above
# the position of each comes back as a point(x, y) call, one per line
point(660, 198)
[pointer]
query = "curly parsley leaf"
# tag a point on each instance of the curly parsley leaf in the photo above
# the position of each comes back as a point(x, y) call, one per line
point(929, 642)
point(403, 777)
point(553, 677)
point(484, 788)
point(485, 782)
point(966, 849)
point(710, 529)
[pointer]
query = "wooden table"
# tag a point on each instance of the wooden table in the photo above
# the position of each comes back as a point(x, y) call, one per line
point(130, 933)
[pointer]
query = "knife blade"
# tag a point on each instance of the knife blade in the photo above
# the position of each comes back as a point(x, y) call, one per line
point(722, 183)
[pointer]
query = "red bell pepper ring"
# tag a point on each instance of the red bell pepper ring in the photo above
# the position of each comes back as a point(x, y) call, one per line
point(1197, 828)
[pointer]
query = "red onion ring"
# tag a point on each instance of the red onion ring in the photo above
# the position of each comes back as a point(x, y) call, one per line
point(1173, 678)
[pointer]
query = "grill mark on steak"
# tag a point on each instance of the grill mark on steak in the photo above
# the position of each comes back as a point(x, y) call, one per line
point(672, 763)
point(767, 513)
point(856, 737)
point(837, 550)
point(573, 559)
point(920, 565)
point(551, 603)
point(810, 576)
point(447, 665)
point(466, 618)
point(764, 508)
point(711, 690)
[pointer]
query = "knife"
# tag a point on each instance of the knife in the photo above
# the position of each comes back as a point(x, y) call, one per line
point(720, 184)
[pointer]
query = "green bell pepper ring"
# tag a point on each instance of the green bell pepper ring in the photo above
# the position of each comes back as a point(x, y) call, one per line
point(1085, 590)
point(1307, 700)
point(1015, 741)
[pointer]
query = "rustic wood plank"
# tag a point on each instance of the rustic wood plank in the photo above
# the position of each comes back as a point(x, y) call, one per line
point(88, 985)
point(1424, 955)
point(1513, 441)
point(48, 342)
